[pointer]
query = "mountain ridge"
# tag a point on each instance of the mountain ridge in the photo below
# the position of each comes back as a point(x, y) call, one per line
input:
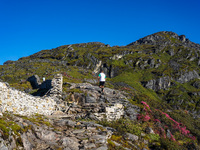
point(159, 71)
point(153, 39)
point(163, 35)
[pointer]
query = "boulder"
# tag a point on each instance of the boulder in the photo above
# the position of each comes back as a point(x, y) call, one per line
point(157, 84)
point(35, 81)
point(149, 130)
point(182, 38)
point(170, 52)
point(131, 137)
point(196, 84)
point(90, 98)
point(174, 65)
point(188, 76)
point(131, 112)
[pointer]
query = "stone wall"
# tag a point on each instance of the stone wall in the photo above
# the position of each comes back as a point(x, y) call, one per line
point(113, 112)
point(56, 84)
point(21, 103)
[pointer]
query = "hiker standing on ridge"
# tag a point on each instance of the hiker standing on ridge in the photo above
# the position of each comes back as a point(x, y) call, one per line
point(102, 79)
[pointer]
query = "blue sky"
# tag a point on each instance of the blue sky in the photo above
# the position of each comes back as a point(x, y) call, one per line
point(28, 26)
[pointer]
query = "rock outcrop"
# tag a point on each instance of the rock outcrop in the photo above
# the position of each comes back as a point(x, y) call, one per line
point(57, 134)
point(160, 38)
point(35, 81)
point(166, 82)
point(164, 62)
point(188, 76)
point(63, 130)
point(97, 106)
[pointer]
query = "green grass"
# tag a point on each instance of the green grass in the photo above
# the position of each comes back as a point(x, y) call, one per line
point(131, 74)
point(7, 124)
point(124, 126)
point(38, 120)
point(133, 79)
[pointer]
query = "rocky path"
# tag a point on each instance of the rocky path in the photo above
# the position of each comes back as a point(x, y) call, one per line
point(93, 104)
point(65, 129)
point(67, 134)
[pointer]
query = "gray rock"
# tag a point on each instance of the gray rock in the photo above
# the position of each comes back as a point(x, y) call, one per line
point(71, 143)
point(113, 71)
point(157, 84)
point(174, 65)
point(102, 148)
point(192, 58)
point(90, 99)
point(170, 52)
point(92, 81)
point(99, 139)
point(151, 62)
point(35, 81)
point(155, 39)
point(78, 98)
point(78, 131)
point(131, 112)
point(131, 137)
point(89, 145)
point(12, 143)
point(27, 145)
point(186, 77)
point(3, 147)
point(182, 38)
point(168, 133)
point(8, 62)
point(198, 63)
point(116, 144)
point(45, 135)
point(149, 130)
point(65, 122)
point(197, 84)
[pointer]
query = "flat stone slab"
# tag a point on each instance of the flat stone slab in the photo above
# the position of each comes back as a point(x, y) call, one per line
point(79, 131)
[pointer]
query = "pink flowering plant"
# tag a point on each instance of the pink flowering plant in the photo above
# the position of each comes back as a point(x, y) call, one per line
point(163, 124)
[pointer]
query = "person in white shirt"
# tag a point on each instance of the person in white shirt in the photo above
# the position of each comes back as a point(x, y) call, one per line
point(102, 80)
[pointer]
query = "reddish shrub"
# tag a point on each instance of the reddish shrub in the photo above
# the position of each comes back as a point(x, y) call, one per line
point(148, 115)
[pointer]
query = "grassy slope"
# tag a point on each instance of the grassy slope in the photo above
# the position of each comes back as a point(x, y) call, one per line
point(49, 62)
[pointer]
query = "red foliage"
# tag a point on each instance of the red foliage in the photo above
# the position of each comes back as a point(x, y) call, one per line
point(143, 117)
point(149, 115)
point(146, 106)
point(172, 137)
point(66, 75)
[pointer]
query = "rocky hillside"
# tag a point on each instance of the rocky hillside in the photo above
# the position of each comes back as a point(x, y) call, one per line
point(151, 99)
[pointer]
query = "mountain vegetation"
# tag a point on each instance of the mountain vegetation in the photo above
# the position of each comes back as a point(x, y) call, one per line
point(160, 74)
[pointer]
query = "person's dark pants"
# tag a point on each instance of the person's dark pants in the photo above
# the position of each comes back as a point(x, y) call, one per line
point(101, 85)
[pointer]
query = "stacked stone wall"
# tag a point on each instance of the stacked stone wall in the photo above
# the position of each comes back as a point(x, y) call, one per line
point(113, 112)
point(56, 84)
point(18, 102)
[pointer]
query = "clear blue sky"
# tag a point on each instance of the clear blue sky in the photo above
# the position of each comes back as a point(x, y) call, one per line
point(28, 26)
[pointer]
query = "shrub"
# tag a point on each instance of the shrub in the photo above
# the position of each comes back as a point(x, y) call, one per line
point(124, 125)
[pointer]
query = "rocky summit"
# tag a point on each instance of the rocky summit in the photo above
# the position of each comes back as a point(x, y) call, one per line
point(51, 99)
